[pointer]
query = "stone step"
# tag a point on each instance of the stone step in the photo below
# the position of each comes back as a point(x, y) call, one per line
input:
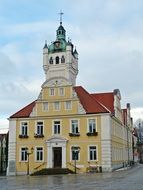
point(52, 171)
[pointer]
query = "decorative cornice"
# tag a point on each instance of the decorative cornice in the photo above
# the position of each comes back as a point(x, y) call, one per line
point(56, 81)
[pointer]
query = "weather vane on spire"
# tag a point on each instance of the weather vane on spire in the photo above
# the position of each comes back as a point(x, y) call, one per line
point(61, 14)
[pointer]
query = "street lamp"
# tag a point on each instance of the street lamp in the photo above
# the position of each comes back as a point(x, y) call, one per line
point(75, 152)
point(28, 154)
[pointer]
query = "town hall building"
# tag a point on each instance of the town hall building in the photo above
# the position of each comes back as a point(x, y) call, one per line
point(67, 127)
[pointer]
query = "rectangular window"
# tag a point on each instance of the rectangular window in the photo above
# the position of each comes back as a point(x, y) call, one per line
point(57, 106)
point(91, 126)
point(52, 91)
point(24, 128)
point(57, 127)
point(45, 106)
point(23, 154)
point(75, 153)
point(39, 128)
point(68, 105)
point(92, 153)
point(74, 126)
point(61, 91)
point(39, 154)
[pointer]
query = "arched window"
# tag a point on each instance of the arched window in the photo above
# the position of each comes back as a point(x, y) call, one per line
point(57, 60)
point(51, 60)
point(62, 59)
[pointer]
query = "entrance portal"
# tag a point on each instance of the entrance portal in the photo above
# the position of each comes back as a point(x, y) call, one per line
point(57, 153)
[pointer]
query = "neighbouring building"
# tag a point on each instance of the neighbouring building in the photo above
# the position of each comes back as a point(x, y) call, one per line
point(3, 152)
point(138, 132)
point(67, 125)
point(136, 155)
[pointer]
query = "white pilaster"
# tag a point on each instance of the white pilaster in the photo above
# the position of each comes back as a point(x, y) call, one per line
point(64, 156)
point(106, 142)
point(11, 170)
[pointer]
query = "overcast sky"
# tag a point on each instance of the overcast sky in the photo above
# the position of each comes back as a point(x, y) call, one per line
point(108, 35)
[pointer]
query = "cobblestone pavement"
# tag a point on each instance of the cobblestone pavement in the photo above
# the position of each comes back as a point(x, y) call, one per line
point(130, 179)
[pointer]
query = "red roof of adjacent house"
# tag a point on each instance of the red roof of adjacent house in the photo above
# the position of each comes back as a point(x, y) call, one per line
point(24, 112)
point(89, 103)
point(107, 99)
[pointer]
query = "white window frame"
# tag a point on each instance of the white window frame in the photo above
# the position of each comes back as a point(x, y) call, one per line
point(61, 94)
point(53, 127)
point(71, 160)
point(77, 124)
point(59, 107)
point(52, 92)
point(36, 153)
point(21, 126)
point(88, 152)
point(20, 154)
point(36, 127)
point(92, 125)
point(66, 105)
point(45, 106)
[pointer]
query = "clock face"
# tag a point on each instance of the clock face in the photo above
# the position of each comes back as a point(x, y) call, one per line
point(57, 44)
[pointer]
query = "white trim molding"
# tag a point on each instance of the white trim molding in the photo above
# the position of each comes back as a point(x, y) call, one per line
point(56, 141)
point(106, 143)
point(35, 151)
point(88, 153)
point(11, 169)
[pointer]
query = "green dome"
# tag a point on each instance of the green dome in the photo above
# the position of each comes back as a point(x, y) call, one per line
point(61, 28)
point(61, 33)
point(57, 46)
point(60, 43)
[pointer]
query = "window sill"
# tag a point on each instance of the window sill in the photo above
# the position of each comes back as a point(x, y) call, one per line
point(23, 161)
point(74, 134)
point(39, 161)
point(38, 136)
point(23, 136)
point(92, 134)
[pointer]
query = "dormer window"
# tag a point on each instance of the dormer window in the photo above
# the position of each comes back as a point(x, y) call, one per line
point(63, 59)
point(61, 91)
point(52, 91)
point(51, 60)
point(57, 60)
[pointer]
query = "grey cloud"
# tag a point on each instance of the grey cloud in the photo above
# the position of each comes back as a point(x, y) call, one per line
point(7, 67)
point(15, 95)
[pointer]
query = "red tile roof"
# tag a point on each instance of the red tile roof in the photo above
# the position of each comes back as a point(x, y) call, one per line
point(92, 103)
point(107, 99)
point(24, 112)
point(89, 103)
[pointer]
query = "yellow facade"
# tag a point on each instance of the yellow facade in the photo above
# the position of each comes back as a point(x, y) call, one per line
point(65, 116)
point(66, 127)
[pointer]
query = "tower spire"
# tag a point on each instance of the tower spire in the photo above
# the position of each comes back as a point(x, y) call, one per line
point(61, 14)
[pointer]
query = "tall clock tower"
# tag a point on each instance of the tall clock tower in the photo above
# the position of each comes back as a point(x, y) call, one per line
point(60, 60)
